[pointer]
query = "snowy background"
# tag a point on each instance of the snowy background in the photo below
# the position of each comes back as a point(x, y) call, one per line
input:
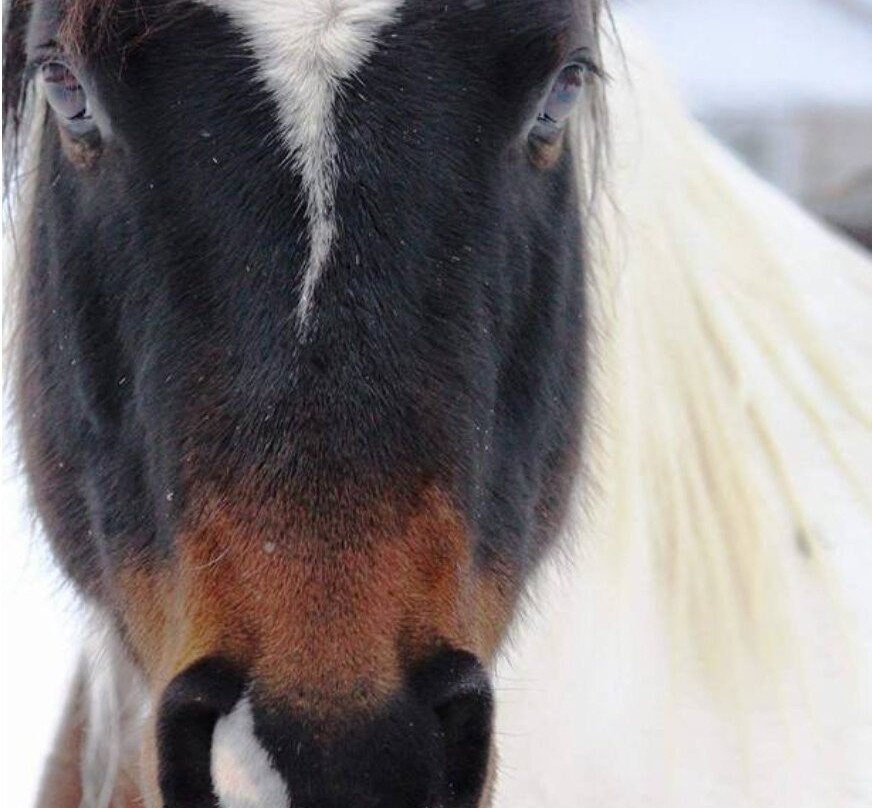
point(787, 82)
point(37, 643)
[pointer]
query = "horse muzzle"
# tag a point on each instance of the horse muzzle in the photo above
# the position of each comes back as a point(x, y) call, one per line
point(223, 743)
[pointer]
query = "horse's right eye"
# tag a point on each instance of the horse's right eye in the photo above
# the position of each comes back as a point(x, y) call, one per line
point(64, 92)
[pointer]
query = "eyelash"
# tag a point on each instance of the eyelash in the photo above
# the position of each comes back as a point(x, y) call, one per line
point(49, 51)
point(589, 65)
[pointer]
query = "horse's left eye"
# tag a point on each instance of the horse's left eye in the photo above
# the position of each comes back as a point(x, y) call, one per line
point(565, 94)
point(64, 92)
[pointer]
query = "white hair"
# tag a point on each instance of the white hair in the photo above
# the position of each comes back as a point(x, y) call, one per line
point(118, 707)
point(711, 364)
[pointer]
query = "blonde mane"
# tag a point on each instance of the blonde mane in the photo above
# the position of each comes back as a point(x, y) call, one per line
point(710, 362)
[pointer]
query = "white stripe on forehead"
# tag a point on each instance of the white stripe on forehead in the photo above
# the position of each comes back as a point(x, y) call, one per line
point(306, 48)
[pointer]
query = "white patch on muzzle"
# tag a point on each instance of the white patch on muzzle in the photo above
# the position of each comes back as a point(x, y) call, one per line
point(242, 772)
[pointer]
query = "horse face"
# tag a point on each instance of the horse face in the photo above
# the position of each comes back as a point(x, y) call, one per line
point(302, 358)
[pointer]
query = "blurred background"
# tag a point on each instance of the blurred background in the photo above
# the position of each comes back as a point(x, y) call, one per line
point(785, 83)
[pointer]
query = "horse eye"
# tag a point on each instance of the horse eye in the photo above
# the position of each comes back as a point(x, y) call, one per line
point(64, 92)
point(566, 91)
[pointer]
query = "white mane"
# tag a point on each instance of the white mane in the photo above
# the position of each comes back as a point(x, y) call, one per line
point(703, 652)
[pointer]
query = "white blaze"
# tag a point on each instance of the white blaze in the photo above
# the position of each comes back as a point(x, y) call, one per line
point(306, 49)
point(242, 772)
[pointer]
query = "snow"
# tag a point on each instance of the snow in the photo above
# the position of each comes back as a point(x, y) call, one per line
point(38, 641)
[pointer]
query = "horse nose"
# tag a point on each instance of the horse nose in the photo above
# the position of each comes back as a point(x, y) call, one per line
point(223, 742)
point(191, 706)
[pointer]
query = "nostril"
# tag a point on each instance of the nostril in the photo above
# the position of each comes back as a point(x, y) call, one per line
point(191, 705)
point(457, 688)
point(431, 745)
point(465, 719)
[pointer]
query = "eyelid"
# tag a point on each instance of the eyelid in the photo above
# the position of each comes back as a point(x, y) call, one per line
point(43, 54)
point(584, 59)
point(52, 51)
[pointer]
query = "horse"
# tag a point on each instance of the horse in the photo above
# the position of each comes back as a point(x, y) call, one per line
point(325, 346)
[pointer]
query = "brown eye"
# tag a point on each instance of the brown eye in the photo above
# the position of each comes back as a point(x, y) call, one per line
point(64, 92)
